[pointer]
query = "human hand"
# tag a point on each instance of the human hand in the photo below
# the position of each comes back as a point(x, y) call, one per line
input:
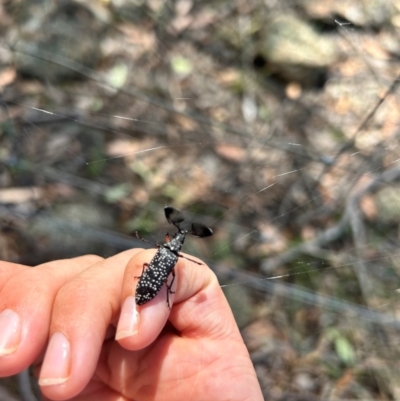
point(193, 352)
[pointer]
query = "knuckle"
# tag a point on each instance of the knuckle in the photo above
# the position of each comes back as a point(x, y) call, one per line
point(75, 291)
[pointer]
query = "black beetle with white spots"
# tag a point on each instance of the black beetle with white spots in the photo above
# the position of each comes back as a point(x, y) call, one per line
point(155, 274)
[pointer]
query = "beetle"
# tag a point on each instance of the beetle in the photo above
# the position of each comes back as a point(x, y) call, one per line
point(156, 273)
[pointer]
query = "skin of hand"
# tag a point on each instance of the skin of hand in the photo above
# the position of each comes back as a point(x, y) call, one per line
point(77, 322)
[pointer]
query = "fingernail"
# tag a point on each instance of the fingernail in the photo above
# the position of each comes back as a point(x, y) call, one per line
point(129, 320)
point(10, 332)
point(55, 367)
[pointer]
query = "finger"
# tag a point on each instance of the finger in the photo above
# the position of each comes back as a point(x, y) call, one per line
point(200, 303)
point(202, 332)
point(82, 311)
point(203, 318)
point(26, 303)
point(139, 326)
point(7, 270)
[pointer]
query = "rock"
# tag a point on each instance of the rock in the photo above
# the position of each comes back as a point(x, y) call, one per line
point(360, 12)
point(290, 40)
point(294, 49)
point(72, 229)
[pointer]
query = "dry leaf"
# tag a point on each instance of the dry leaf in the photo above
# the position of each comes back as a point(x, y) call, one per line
point(368, 207)
point(231, 152)
point(228, 76)
point(139, 35)
point(20, 195)
point(7, 76)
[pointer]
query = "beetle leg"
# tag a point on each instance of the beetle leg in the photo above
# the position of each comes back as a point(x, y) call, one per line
point(145, 240)
point(169, 286)
point(167, 238)
point(145, 264)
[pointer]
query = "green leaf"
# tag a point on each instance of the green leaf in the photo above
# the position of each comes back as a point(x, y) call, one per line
point(117, 75)
point(181, 65)
point(118, 192)
point(344, 349)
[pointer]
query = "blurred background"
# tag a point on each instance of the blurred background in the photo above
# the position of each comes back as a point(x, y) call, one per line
point(276, 123)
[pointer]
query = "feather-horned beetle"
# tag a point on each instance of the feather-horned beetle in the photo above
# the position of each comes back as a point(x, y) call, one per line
point(156, 273)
